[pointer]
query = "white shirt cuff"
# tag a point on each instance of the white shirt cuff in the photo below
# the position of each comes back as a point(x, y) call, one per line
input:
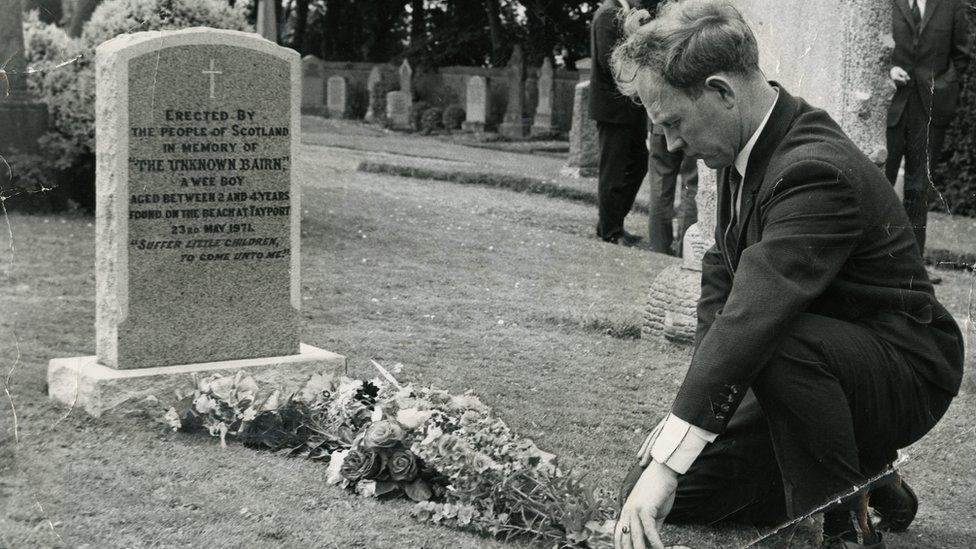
point(678, 443)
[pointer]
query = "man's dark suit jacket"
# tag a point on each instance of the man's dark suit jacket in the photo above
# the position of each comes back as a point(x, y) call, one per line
point(823, 233)
point(935, 58)
point(607, 104)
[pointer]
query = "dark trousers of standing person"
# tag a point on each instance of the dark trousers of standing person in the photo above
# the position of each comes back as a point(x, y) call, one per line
point(827, 412)
point(663, 171)
point(920, 144)
point(623, 165)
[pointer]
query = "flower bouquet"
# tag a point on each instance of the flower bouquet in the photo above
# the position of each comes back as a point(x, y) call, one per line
point(462, 466)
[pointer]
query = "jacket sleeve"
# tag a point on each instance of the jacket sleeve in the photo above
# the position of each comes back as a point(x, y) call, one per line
point(961, 52)
point(715, 286)
point(811, 222)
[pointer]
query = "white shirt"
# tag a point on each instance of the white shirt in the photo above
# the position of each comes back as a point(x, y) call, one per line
point(677, 443)
point(921, 6)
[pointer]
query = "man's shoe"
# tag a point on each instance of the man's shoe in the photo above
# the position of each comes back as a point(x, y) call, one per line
point(896, 504)
point(628, 239)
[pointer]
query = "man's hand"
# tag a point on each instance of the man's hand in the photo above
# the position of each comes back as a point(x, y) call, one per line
point(645, 509)
point(900, 76)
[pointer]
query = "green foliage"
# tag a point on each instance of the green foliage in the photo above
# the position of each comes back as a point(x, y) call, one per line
point(431, 120)
point(65, 82)
point(454, 116)
point(26, 184)
point(955, 179)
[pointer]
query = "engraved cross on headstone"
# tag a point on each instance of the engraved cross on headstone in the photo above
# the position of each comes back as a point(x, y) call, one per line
point(213, 73)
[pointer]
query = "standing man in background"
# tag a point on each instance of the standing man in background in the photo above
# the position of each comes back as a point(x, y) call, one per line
point(663, 171)
point(930, 56)
point(622, 127)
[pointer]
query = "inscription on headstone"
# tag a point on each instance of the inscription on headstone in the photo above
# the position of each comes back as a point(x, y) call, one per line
point(197, 222)
point(477, 103)
point(336, 100)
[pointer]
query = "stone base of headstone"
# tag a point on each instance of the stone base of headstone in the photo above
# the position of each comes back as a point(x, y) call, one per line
point(475, 127)
point(81, 382)
point(24, 122)
point(514, 130)
point(579, 171)
point(543, 127)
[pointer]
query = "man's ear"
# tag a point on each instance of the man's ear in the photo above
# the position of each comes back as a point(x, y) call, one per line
point(721, 85)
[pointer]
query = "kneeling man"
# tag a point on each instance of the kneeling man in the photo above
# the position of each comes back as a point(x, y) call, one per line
point(821, 349)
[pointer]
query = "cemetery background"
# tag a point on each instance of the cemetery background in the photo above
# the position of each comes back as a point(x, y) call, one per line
point(519, 267)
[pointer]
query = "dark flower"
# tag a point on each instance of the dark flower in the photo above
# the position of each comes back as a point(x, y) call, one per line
point(403, 466)
point(362, 465)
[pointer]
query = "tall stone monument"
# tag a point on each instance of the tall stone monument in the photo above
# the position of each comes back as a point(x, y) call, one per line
point(832, 54)
point(584, 144)
point(398, 102)
point(542, 123)
point(197, 218)
point(267, 23)
point(516, 123)
point(22, 119)
point(374, 80)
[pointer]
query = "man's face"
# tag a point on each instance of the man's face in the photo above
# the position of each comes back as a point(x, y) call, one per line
point(705, 127)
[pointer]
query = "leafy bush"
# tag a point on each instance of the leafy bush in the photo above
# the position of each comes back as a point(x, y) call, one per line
point(453, 117)
point(417, 111)
point(66, 84)
point(430, 120)
point(956, 177)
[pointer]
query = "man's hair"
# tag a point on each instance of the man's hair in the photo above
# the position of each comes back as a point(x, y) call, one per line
point(687, 42)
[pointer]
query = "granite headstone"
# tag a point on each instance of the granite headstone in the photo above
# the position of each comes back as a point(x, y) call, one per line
point(542, 123)
point(398, 109)
point(516, 124)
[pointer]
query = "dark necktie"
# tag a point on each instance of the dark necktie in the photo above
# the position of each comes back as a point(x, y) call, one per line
point(732, 231)
point(916, 14)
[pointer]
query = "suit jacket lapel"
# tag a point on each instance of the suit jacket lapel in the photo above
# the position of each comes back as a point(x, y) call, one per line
point(930, 8)
point(784, 111)
point(906, 10)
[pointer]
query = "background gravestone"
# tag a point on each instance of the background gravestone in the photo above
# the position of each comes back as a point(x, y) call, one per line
point(197, 223)
point(337, 97)
point(477, 103)
point(542, 123)
point(374, 80)
point(515, 124)
point(406, 79)
point(584, 144)
point(398, 109)
point(832, 53)
point(313, 86)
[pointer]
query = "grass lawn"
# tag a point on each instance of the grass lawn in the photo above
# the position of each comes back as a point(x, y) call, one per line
point(476, 288)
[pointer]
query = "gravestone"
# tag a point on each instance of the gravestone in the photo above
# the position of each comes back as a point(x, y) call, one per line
point(542, 123)
point(197, 218)
point(515, 124)
point(313, 86)
point(337, 99)
point(406, 78)
point(375, 78)
point(22, 119)
point(477, 103)
point(828, 52)
point(398, 109)
point(584, 143)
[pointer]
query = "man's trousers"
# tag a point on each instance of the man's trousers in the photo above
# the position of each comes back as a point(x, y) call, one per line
point(623, 164)
point(919, 142)
point(827, 412)
point(663, 174)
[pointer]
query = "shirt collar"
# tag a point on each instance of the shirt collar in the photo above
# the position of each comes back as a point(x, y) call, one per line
point(742, 159)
